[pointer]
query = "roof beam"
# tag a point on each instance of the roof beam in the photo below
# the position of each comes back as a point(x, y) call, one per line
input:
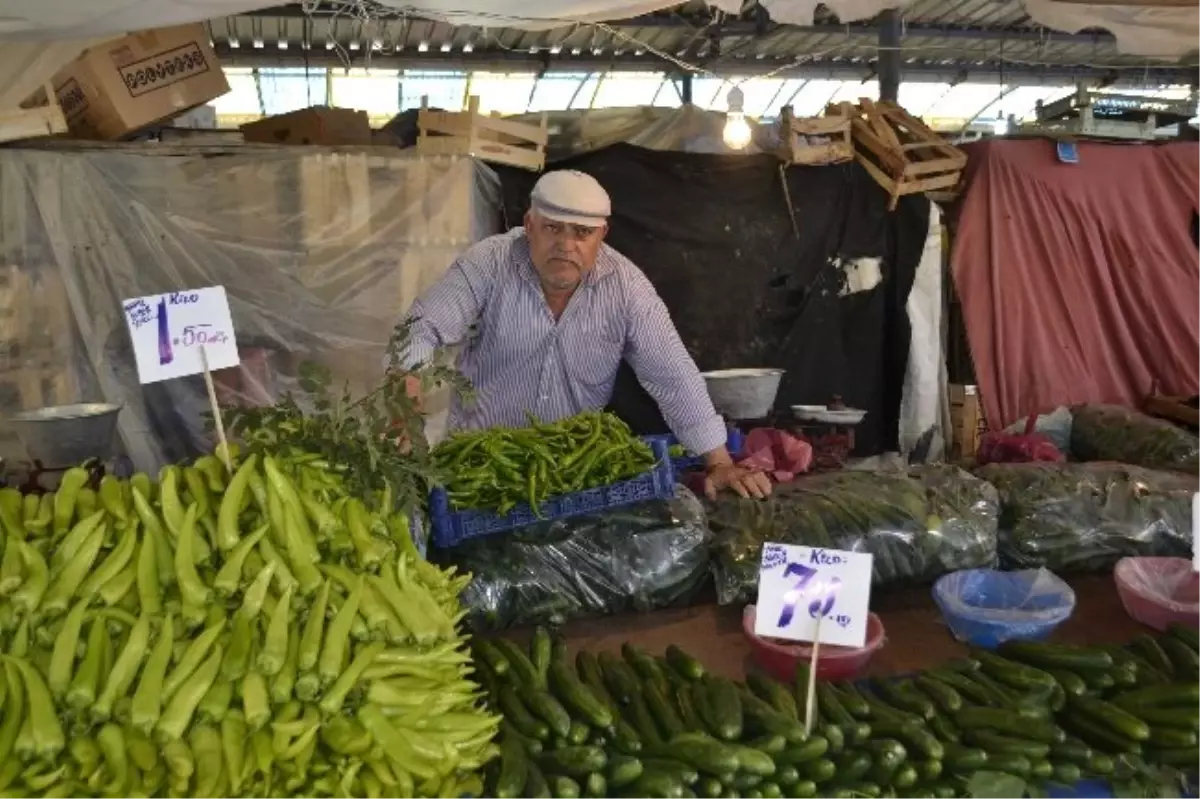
point(831, 69)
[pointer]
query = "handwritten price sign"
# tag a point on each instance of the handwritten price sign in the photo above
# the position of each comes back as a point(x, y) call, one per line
point(169, 330)
point(799, 585)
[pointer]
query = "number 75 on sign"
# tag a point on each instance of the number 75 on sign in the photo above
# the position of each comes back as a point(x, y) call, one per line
point(799, 585)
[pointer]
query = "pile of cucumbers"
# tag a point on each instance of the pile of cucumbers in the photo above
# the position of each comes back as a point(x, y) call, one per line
point(639, 725)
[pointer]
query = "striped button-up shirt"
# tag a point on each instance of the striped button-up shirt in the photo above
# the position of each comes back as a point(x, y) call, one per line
point(519, 358)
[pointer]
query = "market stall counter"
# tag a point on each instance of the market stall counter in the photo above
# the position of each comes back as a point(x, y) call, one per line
point(917, 638)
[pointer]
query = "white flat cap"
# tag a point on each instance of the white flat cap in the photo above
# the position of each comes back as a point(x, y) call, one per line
point(570, 196)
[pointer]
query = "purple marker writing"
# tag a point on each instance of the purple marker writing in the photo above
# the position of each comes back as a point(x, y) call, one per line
point(165, 353)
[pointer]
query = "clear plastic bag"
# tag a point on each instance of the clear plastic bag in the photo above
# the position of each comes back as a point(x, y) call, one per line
point(919, 524)
point(987, 607)
point(1159, 591)
point(640, 557)
point(1117, 433)
point(1073, 517)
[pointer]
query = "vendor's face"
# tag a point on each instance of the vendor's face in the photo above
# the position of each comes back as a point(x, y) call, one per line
point(562, 253)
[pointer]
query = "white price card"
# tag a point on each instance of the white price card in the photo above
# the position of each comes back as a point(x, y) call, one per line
point(799, 585)
point(169, 330)
point(1196, 532)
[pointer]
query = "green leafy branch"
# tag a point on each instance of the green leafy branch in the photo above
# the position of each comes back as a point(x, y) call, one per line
point(378, 439)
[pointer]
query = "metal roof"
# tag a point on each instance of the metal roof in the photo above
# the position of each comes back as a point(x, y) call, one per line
point(943, 40)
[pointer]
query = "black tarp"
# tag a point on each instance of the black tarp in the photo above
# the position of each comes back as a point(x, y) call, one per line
point(746, 289)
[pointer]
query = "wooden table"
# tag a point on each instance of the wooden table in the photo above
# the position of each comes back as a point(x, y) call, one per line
point(916, 635)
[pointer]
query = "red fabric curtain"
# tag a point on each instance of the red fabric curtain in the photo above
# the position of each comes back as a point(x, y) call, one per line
point(1079, 282)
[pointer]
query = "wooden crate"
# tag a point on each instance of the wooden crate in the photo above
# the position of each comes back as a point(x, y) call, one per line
point(29, 123)
point(901, 152)
point(832, 145)
point(966, 420)
point(488, 138)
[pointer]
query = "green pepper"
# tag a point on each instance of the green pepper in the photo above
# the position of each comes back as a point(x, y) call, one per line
point(125, 668)
point(231, 504)
point(194, 592)
point(181, 706)
point(66, 497)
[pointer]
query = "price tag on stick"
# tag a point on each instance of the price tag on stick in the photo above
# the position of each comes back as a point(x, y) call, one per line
point(184, 333)
point(800, 586)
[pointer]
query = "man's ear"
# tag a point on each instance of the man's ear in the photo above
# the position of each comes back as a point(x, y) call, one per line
point(604, 232)
point(527, 221)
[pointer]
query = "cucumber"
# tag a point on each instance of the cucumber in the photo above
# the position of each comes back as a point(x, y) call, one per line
point(944, 729)
point(1007, 744)
point(547, 708)
point(830, 706)
point(709, 787)
point(835, 736)
point(576, 696)
point(771, 744)
point(723, 706)
point(887, 754)
point(915, 737)
point(536, 786)
point(622, 683)
point(1100, 764)
point(683, 772)
point(1184, 660)
point(684, 663)
point(1148, 649)
point(689, 713)
point(946, 698)
point(564, 788)
point(1182, 694)
point(623, 770)
point(1011, 673)
point(673, 679)
point(852, 766)
point(1181, 757)
point(1071, 682)
point(753, 761)
point(519, 716)
point(1097, 736)
point(513, 772)
point(642, 722)
point(928, 770)
point(774, 694)
point(1067, 773)
point(573, 761)
point(1189, 635)
point(819, 770)
point(707, 754)
point(578, 734)
point(964, 759)
point(902, 694)
point(1008, 722)
point(1116, 719)
point(1100, 680)
point(1010, 764)
point(761, 717)
point(867, 789)
point(595, 785)
point(1056, 656)
point(770, 790)
point(661, 710)
point(905, 776)
point(796, 754)
point(520, 668)
point(587, 666)
point(852, 700)
point(1183, 718)
point(786, 775)
point(492, 657)
point(747, 782)
point(1169, 738)
point(643, 664)
point(966, 687)
point(1041, 770)
point(540, 647)
point(1072, 751)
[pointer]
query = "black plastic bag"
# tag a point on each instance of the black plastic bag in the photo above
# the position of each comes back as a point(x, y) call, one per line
point(640, 557)
point(1079, 517)
point(918, 524)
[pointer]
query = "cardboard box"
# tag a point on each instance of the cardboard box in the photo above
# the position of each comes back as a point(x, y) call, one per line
point(966, 420)
point(115, 88)
point(315, 125)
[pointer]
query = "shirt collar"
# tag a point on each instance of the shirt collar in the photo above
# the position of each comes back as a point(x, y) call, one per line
point(603, 268)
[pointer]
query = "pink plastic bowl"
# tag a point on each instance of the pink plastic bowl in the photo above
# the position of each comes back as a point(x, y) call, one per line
point(1159, 591)
point(779, 658)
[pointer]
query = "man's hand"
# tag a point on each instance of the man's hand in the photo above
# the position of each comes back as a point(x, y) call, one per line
point(722, 472)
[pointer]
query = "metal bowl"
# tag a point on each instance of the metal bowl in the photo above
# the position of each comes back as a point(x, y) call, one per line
point(67, 435)
point(743, 393)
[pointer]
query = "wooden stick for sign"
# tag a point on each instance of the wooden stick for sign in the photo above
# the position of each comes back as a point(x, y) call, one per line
point(811, 705)
point(223, 444)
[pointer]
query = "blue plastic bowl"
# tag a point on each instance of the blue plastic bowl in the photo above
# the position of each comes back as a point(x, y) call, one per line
point(986, 607)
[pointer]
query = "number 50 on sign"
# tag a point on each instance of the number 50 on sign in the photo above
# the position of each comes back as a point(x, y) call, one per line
point(799, 585)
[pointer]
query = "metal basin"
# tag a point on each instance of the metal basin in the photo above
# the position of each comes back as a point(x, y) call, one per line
point(743, 393)
point(67, 435)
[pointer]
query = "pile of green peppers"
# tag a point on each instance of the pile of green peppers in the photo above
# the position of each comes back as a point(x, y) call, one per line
point(500, 468)
point(254, 632)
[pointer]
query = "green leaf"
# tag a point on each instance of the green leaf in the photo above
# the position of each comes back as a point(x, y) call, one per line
point(995, 785)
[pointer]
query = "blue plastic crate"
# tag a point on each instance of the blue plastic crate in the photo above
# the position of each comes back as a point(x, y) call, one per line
point(451, 528)
point(733, 443)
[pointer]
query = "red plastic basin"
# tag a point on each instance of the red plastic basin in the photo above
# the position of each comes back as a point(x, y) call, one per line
point(779, 658)
point(1159, 591)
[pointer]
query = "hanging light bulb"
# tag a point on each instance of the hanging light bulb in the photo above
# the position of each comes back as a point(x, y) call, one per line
point(737, 129)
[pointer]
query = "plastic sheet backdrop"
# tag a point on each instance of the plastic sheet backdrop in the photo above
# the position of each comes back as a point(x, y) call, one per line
point(640, 557)
point(918, 524)
point(1117, 433)
point(320, 252)
point(1079, 517)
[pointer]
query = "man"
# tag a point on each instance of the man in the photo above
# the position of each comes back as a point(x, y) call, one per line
point(545, 314)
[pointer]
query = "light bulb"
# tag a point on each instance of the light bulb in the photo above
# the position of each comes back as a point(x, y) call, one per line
point(737, 130)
